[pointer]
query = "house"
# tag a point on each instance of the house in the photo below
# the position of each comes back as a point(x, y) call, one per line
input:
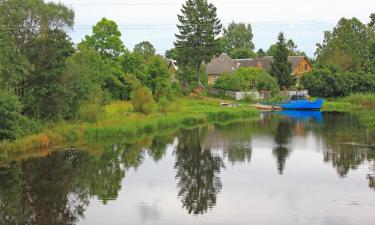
point(300, 64)
point(218, 66)
point(172, 68)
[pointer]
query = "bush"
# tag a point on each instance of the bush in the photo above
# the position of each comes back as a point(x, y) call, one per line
point(90, 112)
point(330, 82)
point(245, 79)
point(10, 115)
point(142, 99)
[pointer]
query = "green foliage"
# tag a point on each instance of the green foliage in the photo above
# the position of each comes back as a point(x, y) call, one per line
point(145, 48)
point(44, 93)
point(246, 79)
point(281, 68)
point(347, 46)
point(10, 115)
point(198, 28)
point(291, 46)
point(331, 82)
point(106, 39)
point(238, 40)
point(171, 54)
point(163, 105)
point(90, 112)
point(30, 19)
point(261, 53)
point(242, 53)
point(14, 67)
point(84, 76)
point(158, 78)
point(142, 99)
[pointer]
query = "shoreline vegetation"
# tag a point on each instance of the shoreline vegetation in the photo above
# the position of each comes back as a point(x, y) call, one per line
point(119, 120)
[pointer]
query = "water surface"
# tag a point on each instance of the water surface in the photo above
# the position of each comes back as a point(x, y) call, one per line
point(284, 168)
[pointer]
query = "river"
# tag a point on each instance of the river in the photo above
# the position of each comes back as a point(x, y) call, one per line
point(284, 168)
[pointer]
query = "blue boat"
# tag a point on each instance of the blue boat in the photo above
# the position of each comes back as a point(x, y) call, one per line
point(301, 104)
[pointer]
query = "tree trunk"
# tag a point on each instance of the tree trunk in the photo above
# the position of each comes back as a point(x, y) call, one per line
point(198, 75)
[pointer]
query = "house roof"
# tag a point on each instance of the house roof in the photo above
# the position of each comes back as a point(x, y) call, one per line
point(265, 62)
point(220, 65)
point(171, 63)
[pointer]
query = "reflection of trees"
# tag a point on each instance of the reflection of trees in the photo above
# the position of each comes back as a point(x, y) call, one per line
point(282, 137)
point(197, 171)
point(159, 146)
point(56, 189)
point(239, 153)
point(345, 142)
point(42, 191)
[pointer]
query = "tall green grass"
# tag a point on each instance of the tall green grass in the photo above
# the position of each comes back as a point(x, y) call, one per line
point(118, 120)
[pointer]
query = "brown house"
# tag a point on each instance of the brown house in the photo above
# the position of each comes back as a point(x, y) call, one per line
point(300, 64)
point(218, 66)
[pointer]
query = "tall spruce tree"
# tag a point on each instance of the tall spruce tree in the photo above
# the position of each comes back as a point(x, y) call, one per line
point(281, 68)
point(196, 42)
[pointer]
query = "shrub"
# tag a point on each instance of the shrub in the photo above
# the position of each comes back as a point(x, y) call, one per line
point(245, 79)
point(330, 82)
point(142, 99)
point(90, 112)
point(10, 115)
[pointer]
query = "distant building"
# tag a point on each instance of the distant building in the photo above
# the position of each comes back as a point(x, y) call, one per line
point(225, 64)
point(172, 68)
point(218, 66)
point(300, 64)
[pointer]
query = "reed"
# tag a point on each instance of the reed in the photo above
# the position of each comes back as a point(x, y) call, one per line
point(119, 121)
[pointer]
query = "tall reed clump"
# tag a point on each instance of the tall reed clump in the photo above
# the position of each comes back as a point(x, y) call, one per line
point(361, 99)
point(329, 106)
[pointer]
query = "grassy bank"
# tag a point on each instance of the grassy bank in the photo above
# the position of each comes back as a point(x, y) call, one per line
point(118, 120)
point(349, 103)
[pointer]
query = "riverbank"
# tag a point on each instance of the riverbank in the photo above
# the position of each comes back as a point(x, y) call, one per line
point(118, 120)
point(349, 103)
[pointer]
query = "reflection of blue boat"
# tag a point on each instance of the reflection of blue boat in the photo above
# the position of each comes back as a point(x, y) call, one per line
point(302, 104)
point(302, 115)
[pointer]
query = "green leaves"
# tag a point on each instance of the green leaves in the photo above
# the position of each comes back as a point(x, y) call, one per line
point(348, 46)
point(145, 48)
point(106, 39)
point(281, 68)
point(238, 40)
point(198, 28)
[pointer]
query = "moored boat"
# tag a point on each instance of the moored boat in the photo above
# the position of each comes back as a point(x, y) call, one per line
point(302, 104)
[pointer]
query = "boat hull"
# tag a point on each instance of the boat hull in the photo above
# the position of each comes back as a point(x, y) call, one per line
point(302, 104)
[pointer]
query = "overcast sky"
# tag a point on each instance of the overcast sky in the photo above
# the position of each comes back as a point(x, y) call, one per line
point(154, 20)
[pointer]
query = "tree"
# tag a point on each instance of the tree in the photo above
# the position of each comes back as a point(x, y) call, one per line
point(171, 54)
point(158, 78)
point(84, 76)
point(14, 67)
point(346, 46)
point(145, 48)
point(44, 93)
point(372, 20)
point(292, 47)
point(30, 19)
point(261, 53)
point(10, 115)
point(196, 42)
point(281, 68)
point(106, 39)
point(238, 38)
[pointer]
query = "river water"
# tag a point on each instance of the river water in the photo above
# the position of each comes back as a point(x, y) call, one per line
point(283, 168)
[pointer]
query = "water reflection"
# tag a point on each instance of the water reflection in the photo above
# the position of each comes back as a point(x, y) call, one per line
point(197, 171)
point(57, 189)
point(282, 137)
